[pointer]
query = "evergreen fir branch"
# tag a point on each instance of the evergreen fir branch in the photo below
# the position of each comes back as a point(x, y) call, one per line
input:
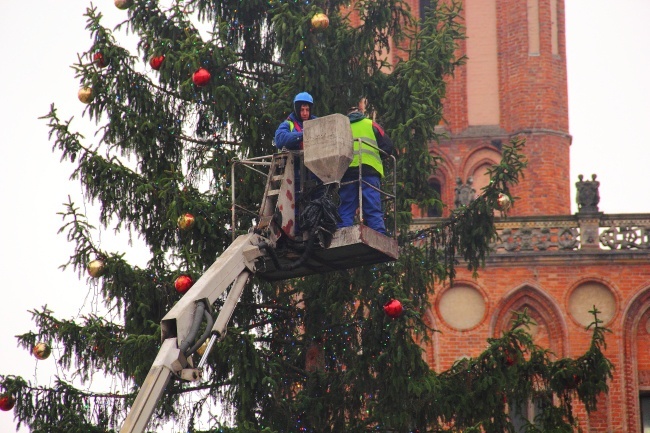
point(316, 353)
point(471, 229)
point(593, 364)
point(90, 344)
point(78, 232)
point(62, 408)
point(67, 142)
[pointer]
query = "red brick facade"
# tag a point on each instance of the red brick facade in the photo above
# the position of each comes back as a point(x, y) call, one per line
point(551, 262)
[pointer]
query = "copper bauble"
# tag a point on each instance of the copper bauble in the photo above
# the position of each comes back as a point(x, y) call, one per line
point(185, 221)
point(42, 351)
point(99, 60)
point(156, 62)
point(201, 350)
point(393, 308)
point(183, 283)
point(96, 268)
point(123, 4)
point(85, 95)
point(503, 202)
point(320, 21)
point(201, 77)
point(315, 358)
point(7, 402)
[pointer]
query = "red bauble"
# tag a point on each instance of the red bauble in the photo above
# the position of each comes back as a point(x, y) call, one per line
point(315, 358)
point(511, 357)
point(185, 221)
point(99, 60)
point(183, 283)
point(156, 62)
point(201, 77)
point(7, 402)
point(393, 308)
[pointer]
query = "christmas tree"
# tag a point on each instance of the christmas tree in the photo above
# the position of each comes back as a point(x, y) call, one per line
point(337, 352)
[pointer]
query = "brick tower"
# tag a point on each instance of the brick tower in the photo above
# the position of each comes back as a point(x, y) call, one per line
point(554, 264)
point(514, 84)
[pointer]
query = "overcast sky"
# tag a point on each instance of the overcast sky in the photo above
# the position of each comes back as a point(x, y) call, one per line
point(609, 110)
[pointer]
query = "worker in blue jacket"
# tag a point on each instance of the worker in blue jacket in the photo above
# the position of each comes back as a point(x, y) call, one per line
point(372, 170)
point(289, 133)
point(289, 136)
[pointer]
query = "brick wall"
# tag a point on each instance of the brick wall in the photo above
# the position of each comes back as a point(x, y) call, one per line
point(533, 103)
point(544, 289)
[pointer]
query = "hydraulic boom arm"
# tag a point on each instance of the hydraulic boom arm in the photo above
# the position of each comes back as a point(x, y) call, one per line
point(181, 324)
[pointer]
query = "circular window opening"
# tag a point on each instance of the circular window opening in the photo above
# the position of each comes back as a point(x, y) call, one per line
point(462, 307)
point(585, 297)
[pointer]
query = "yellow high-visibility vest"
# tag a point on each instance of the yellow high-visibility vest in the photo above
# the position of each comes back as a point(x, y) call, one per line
point(371, 155)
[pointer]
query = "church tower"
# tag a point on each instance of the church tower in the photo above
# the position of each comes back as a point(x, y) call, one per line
point(513, 84)
point(555, 265)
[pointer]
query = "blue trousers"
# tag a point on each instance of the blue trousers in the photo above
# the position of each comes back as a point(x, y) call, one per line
point(373, 215)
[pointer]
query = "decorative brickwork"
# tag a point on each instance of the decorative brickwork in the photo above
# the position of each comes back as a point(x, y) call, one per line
point(550, 331)
point(634, 373)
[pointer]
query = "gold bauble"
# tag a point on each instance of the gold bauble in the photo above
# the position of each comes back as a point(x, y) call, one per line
point(123, 4)
point(201, 350)
point(41, 351)
point(85, 95)
point(320, 21)
point(503, 202)
point(96, 268)
point(185, 221)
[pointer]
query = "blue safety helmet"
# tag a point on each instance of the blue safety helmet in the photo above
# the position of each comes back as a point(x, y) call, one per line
point(302, 98)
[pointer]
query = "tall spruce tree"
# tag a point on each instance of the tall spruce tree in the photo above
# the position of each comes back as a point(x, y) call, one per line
point(315, 354)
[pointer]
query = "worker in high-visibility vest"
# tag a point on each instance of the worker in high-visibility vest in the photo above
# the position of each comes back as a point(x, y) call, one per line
point(372, 171)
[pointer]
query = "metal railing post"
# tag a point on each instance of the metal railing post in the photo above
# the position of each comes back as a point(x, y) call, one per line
point(360, 180)
point(232, 199)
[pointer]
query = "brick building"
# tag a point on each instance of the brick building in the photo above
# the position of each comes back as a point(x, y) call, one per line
point(549, 261)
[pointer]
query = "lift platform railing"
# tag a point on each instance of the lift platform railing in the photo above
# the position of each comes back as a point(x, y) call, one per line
point(261, 165)
point(389, 182)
